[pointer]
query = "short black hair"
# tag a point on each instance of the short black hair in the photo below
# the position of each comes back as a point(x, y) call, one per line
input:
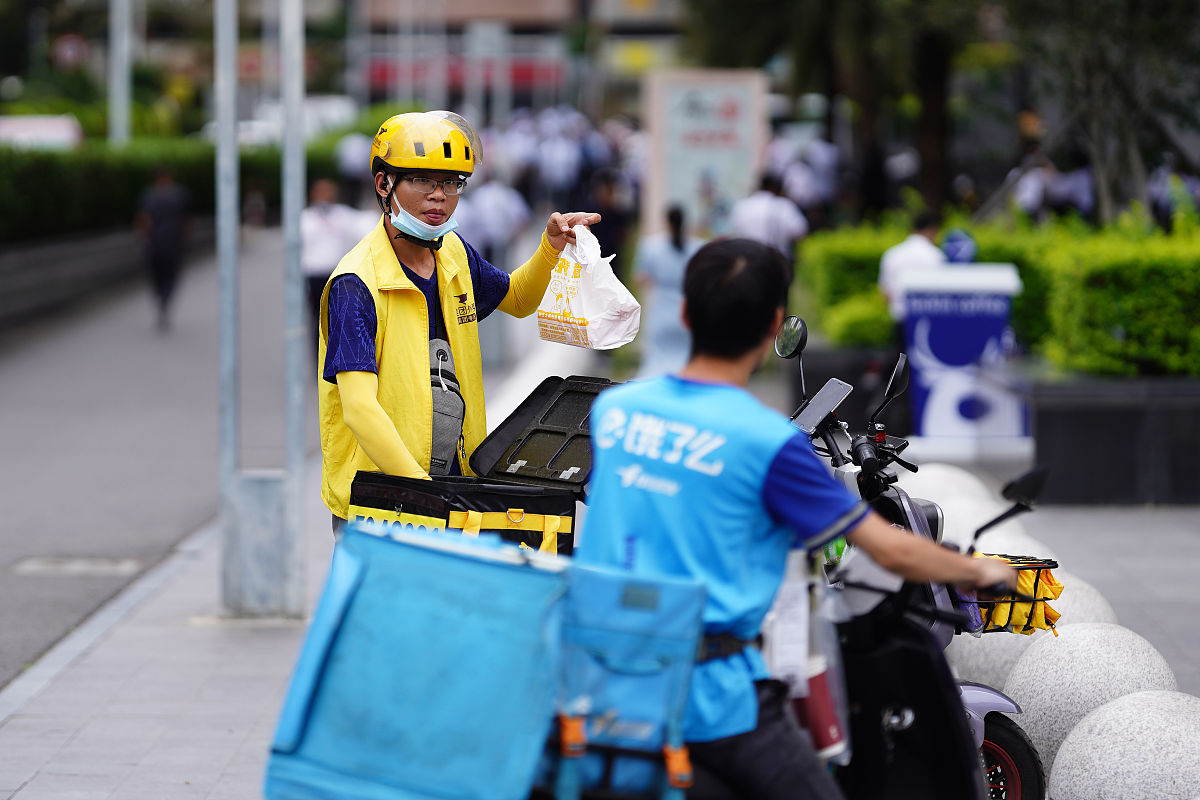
point(733, 287)
point(927, 219)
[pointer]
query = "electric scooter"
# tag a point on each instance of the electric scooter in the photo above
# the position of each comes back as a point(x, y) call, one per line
point(915, 732)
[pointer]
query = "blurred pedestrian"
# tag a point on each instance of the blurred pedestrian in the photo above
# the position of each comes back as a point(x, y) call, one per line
point(658, 269)
point(162, 220)
point(351, 152)
point(498, 213)
point(328, 229)
point(560, 161)
point(916, 252)
point(767, 216)
point(615, 220)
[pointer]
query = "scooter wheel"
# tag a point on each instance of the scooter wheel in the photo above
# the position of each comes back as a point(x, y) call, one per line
point(1012, 768)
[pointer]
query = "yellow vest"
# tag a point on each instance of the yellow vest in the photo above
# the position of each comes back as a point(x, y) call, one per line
point(402, 360)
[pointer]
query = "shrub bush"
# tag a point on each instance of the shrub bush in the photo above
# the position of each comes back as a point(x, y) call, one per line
point(862, 319)
point(47, 193)
point(1121, 306)
point(837, 265)
point(1116, 302)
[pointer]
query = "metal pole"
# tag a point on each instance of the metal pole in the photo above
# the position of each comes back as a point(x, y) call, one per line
point(225, 85)
point(436, 57)
point(357, 55)
point(475, 57)
point(502, 96)
point(120, 76)
point(269, 52)
point(295, 323)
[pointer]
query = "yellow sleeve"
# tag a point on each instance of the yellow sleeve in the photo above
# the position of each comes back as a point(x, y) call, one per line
point(529, 281)
point(369, 423)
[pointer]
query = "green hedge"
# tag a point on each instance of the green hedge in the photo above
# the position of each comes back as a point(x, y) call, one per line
point(860, 319)
point(95, 187)
point(837, 266)
point(1122, 301)
point(1123, 306)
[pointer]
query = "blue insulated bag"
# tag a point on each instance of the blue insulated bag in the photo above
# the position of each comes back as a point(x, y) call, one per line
point(429, 671)
point(629, 646)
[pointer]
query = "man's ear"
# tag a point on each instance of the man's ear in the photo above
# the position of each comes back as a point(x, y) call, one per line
point(777, 323)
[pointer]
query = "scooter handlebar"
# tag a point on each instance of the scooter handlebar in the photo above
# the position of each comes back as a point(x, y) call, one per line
point(863, 452)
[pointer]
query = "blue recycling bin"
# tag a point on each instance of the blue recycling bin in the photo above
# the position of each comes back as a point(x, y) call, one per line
point(957, 337)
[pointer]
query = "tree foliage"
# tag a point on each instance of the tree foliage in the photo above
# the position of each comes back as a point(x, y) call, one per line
point(1126, 76)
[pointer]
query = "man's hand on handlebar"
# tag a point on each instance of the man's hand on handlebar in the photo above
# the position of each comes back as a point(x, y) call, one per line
point(995, 577)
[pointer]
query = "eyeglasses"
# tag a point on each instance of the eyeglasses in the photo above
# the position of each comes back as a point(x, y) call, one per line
point(450, 186)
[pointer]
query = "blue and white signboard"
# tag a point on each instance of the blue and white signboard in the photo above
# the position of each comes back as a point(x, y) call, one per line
point(957, 338)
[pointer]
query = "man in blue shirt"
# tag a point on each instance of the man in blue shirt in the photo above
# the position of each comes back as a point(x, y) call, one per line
point(694, 477)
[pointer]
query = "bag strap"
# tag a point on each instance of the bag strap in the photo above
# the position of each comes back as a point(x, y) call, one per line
point(550, 526)
point(514, 519)
point(470, 523)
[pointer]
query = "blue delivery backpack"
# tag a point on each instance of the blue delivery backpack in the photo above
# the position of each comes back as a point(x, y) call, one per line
point(430, 670)
point(629, 647)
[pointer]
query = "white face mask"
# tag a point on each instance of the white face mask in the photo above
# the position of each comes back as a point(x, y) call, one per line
point(403, 221)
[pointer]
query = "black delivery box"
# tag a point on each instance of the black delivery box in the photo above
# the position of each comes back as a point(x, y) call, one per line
point(531, 470)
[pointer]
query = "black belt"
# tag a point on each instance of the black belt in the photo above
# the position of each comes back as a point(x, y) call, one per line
point(722, 645)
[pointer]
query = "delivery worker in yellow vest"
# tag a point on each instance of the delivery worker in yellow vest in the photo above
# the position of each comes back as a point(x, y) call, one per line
point(402, 380)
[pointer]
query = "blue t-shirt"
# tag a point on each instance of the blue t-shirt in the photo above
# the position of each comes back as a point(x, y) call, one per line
point(701, 480)
point(352, 321)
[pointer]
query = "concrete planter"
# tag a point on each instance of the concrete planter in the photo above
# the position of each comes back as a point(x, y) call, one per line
point(1118, 440)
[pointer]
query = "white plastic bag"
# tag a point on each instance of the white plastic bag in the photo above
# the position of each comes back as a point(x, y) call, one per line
point(585, 305)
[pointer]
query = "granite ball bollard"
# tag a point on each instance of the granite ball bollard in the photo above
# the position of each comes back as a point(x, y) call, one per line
point(1059, 679)
point(989, 658)
point(1080, 601)
point(963, 515)
point(1145, 744)
point(936, 481)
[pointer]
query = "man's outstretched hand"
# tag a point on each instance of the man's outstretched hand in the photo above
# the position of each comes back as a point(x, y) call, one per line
point(560, 227)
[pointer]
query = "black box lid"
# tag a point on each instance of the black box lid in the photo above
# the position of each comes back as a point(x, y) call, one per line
point(546, 441)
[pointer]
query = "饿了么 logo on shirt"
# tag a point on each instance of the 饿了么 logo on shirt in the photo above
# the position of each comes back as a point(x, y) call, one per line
point(665, 440)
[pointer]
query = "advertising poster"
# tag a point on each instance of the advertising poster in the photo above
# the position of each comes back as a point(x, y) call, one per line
point(708, 131)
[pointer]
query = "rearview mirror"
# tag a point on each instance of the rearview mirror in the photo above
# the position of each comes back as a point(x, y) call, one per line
point(1021, 492)
point(896, 386)
point(1026, 489)
point(792, 337)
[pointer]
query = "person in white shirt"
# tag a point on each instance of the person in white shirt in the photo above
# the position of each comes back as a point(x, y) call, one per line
point(351, 152)
point(328, 230)
point(918, 251)
point(768, 217)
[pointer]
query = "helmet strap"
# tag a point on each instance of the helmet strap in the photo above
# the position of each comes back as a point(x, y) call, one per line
point(436, 244)
point(385, 203)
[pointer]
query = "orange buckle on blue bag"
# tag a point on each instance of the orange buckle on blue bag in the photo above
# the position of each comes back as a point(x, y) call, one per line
point(679, 766)
point(573, 733)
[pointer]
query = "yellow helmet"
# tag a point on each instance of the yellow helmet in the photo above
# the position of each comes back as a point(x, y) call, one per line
point(426, 140)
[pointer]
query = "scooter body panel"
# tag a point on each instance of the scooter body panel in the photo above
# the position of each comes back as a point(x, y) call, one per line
point(979, 700)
